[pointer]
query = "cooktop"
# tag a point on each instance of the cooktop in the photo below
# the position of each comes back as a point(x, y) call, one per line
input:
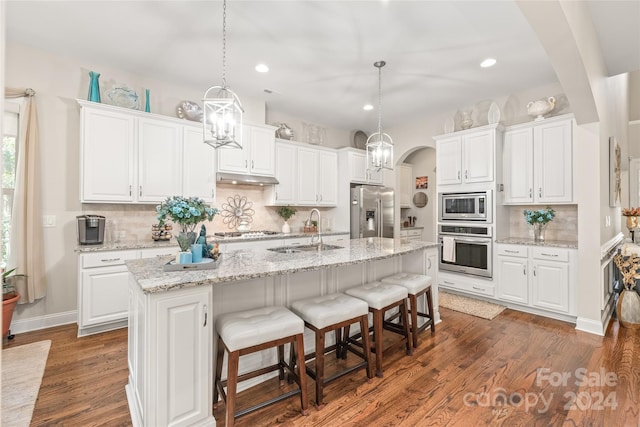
point(245, 234)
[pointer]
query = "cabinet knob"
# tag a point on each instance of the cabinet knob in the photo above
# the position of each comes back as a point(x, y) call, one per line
point(276, 195)
point(130, 189)
point(205, 315)
point(534, 271)
point(252, 164)
point(429, 267)
point(246, 164)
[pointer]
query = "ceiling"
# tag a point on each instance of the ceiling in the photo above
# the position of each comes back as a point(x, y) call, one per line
point(321, 53)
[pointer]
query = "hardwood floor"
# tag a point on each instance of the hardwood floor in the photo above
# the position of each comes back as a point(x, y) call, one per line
point(472, 372)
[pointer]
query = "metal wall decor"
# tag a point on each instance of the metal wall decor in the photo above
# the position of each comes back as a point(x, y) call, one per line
point(235, 210)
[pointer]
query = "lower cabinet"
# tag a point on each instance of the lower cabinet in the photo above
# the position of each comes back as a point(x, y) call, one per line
point(537, 276)
point(103, 295)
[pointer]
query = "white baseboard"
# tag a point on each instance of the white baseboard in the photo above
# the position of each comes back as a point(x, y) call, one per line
point(43, 322)
point(591, 326)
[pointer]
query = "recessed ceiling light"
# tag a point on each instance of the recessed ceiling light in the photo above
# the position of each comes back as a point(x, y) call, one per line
point(262, 68)
point(489, 62)
point(368, 107)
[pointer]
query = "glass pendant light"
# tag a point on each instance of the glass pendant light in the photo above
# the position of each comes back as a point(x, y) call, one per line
point(222, 115)
point(379, 145)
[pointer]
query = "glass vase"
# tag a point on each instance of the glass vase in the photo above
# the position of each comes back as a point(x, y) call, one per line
point(632, 224)
point(94, 87)
point(186, 239)
point(147, 106)
point(538, 232)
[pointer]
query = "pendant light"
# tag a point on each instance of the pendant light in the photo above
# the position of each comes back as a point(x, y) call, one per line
point(379, 145)
point(222, 115)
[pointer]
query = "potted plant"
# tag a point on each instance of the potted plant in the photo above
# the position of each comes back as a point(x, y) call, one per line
point(9, 300)
point(285, 213)
point(539, 219)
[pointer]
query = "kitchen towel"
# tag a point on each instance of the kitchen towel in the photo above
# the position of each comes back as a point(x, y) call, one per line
point(448, 249)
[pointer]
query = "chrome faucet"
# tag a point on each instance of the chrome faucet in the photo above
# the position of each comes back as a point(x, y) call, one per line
point(319, 226)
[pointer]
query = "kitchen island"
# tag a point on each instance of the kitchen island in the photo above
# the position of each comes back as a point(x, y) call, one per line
point(172, 314)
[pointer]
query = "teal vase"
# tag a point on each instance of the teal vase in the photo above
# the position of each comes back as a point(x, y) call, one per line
point(147, 107)
point(94, 87)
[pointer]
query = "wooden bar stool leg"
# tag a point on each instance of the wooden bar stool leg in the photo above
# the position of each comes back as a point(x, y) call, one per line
point(377, 336)
point(413, 302)
point(366, 346)
point(341, 351)
point(218, 377)
point(281, 363)
point(319, 367)
point(232, 385)
point(405, 324)
point(302, 374)
point(430, 306)
point(345, 334)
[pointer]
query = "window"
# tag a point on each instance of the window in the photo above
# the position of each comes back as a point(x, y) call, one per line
point(9, 146)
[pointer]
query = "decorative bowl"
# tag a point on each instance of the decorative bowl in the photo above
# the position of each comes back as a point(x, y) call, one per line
point(540, 108)
point(189, 110)
point(122, 96)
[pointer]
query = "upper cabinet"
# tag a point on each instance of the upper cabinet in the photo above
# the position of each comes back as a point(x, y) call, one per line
point(307, 176)
point(406, 185)
point(128, 156)
point(355, 162)
point(257, 156)
point(466, 157)
point(537, 162)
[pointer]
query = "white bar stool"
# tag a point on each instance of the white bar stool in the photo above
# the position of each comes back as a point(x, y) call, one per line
point(331, 313)
point(245, 332)
point(382, 297)
point(417, 285)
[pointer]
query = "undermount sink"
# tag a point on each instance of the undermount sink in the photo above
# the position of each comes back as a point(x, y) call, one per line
point(304, 248)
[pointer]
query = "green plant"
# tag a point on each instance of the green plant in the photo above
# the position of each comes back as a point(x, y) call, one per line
point(187, 212)
point(286, 212)
point(540, 216)
point(8, 290)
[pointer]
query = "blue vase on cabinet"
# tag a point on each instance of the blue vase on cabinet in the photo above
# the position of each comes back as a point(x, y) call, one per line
point(147, 107)
point(94, 87)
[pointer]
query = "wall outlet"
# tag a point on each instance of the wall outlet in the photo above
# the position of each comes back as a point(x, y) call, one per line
point(48, 220)
point(607, 221)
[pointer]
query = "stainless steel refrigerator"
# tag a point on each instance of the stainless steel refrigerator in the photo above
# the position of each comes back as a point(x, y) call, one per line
point(371, 211)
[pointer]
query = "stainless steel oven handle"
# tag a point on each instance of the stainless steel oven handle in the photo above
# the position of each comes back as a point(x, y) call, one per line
point(472, 240)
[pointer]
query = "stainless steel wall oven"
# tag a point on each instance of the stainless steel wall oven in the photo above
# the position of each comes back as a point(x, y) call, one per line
point(466, 249)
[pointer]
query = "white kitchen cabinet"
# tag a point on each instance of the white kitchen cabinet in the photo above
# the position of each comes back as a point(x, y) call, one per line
point(406, 185)
point(539, 277)
point(466, 157)
point(198, 166)
point(307, 177)
point(107, 157)
point(257, 156)
point(537, 162)
point(284, 193)
point(328, 177)
point(412, 234)
point(355, 162)
point(129, 156)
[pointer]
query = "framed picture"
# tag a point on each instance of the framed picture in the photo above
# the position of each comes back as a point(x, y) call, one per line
point(615, 163)
point(422, 182)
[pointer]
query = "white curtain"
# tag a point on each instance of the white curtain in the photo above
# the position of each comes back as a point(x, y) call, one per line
point(26, 252)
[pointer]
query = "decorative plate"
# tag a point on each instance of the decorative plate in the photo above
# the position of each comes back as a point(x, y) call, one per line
point(189, 110)
point(493, 116)
point(449, 125)
point(122, 96)
point(360, 139)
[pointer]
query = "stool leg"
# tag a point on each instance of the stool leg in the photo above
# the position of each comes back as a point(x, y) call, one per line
point(302, 376)
point(431, 317)
point(281, 364)
point(366, 345)
point(232, 385)
point(346, 333)
point(377, 336)
point(340, 347)
point(218, 377)
point(405, 324)
point(413, 305)
point(319, 367)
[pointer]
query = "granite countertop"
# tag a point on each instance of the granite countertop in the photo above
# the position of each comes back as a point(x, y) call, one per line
point(254, 263)
point(568, 244)
point(148, 243)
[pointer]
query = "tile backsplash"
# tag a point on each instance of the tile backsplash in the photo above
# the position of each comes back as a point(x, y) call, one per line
point(133, 222)
point(563, 227)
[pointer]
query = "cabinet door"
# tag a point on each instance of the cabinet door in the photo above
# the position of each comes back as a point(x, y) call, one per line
point(236, 160)
point(307, 176)
point(405, 186)
point(263, 154)
point(553, 168)
point(160, 160)
point(374, 176)
point(198, 166)
point(328, 178)
point(550, 285)
point(448, 157)
point(286, 172)
point(518, 166)
point(512, 279)
point(357, 167)
point(105, 295)
point(182, 372)
point(107, 158)
point(478, 156)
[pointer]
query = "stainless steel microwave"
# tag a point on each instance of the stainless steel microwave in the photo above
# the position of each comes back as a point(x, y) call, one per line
point(475, 206)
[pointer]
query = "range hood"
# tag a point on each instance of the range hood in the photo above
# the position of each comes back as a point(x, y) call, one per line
point(238, 178)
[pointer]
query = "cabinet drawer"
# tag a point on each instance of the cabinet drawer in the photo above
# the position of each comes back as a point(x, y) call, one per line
point(153, 252)
point(404, 233)
point(512, 250)
point(102, 259)
point(475, 288)
point(551, 254)
point(414, 233)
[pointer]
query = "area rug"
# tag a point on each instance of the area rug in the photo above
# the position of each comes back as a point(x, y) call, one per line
point(471, 306)
point(22, 370)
